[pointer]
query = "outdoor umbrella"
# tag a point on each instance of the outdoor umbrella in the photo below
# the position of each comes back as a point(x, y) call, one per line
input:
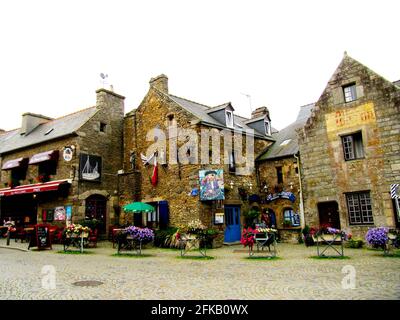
point(138, 207)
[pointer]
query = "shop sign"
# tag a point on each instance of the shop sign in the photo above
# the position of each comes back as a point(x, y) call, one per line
point(90, 168)
point(67, 154)
point(282, 195)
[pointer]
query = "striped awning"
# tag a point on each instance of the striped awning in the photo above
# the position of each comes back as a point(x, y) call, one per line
point(15, 163)
point(33, 188)
point(44, 156)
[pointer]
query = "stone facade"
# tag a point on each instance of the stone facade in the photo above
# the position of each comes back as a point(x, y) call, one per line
point(270, 185)
point(88, 139)
point(373, 121)
point(177, 180)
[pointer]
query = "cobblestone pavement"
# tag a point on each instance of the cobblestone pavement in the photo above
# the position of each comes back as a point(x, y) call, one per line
point(162, 275)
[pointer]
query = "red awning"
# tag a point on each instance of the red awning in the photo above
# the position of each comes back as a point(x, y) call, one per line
point(33, 188)
point(44, 156)
point(15, 163)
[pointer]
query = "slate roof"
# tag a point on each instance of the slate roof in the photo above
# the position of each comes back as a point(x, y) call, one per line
point(397, 83)
point(287, 134)
point(201, 111)
point(63, 126)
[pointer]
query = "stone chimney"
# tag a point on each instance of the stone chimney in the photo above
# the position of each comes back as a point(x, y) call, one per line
point(109, 101)
point(30, 121)
point(259, 112)
point(160, 82)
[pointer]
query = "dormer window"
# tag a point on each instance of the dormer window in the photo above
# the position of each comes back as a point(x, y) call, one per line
point(229, 118)
point(267, 125)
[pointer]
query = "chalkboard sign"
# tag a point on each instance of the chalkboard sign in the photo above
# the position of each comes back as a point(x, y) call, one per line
point(41, 237)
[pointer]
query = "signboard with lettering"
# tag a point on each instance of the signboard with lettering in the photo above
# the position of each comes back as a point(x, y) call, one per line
point(41, 237)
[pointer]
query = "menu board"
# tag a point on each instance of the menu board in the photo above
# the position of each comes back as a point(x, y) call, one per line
point(41, 237)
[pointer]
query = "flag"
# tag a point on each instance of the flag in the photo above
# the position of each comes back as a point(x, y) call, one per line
point(154, 177)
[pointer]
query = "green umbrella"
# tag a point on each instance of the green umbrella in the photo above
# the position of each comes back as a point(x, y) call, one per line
point(138, 207)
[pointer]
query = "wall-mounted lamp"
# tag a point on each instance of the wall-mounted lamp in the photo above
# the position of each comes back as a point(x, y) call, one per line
point(231, 184)
point(291, 185)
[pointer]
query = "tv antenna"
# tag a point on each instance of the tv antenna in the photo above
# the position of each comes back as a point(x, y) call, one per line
point(248, 97)
point(103, 77)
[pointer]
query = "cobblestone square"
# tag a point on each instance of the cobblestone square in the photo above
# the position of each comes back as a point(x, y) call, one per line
point(162, 275)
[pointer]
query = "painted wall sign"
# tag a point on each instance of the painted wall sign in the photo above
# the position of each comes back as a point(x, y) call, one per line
point(347, 118)
point(211, 184)
point(90, 167)
point(282, 195)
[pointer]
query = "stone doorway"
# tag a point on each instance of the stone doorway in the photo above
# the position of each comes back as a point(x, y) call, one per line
point(329, 214)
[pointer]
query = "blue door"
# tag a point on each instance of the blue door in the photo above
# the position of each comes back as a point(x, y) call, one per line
point(232, 221)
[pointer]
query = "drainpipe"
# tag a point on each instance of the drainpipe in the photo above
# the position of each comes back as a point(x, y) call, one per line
point(302, 218)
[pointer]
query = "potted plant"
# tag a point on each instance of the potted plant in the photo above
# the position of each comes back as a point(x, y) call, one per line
point(251, 216)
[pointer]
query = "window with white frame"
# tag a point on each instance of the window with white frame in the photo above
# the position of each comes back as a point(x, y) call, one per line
point(267, 125)
point(349, 92)
point(229, 118)
point(353, 146)
point(359, 208)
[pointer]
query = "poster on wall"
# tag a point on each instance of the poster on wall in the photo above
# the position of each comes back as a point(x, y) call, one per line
point(90, 167)
point(59, 214)
point(68, 212)
point(211, 184)
point(219, 218)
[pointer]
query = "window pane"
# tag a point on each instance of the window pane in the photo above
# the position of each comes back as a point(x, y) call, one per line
point(348, 147)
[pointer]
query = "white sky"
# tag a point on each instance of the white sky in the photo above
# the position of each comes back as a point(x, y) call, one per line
point(282, 53)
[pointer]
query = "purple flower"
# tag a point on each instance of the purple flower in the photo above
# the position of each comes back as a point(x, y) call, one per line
point(377, 237)
point(144, 234)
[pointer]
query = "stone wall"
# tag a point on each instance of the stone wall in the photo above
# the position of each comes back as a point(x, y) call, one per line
point(176, 180)
point(375, 113)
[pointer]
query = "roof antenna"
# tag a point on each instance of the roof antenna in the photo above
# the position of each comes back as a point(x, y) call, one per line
point(103, 79)
point(248, 97)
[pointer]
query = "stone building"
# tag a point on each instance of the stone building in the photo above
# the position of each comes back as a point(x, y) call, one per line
point(187, 139)
point(350, 151)
point(54, 170)
point(278, 170)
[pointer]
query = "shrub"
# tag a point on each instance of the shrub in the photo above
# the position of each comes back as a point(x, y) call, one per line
point(163, 238)
point(377, 237)
point(355, 244)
